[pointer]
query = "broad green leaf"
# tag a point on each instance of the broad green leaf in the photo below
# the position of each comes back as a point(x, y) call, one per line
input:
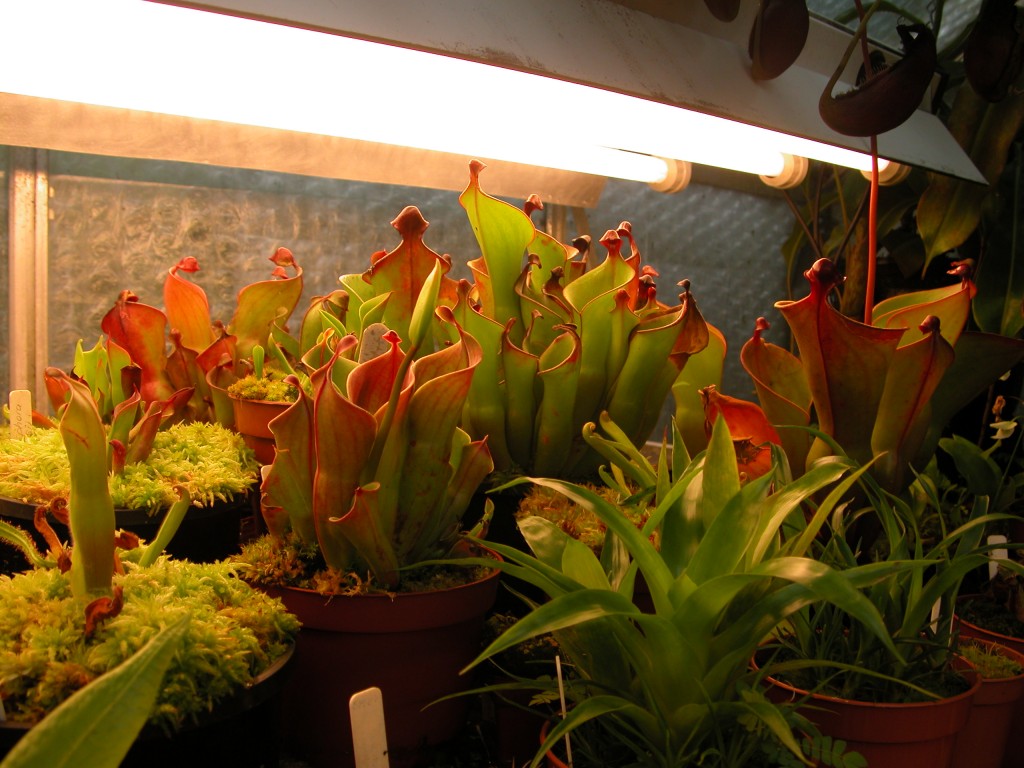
point(558, 371)
point(289, 481)
point(949, 209)
point(640, 548)
point(581, 565)
point(562, 612)
point(503, 233)
point(434, 413)
point(721, 480)
point(979, 470)
point(904, 410)
point(950, 304)
point(981, 358)
point(702, 370)
point(729, 533)
point(371, 534)
point(96, 726)
point(324, 312)
point(520, 390)
point(343, 436)
point(783, 391)
point(778, 506)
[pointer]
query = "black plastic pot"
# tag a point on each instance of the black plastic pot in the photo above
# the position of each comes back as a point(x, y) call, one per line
point(242, 731)
point(206, 534)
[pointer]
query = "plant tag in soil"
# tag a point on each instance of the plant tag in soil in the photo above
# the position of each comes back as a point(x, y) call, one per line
point(369, 738)
point(20, 403)
point(996, 555)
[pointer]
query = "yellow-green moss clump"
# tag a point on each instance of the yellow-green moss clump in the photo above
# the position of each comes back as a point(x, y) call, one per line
point(211, 462)
point(235, 633)
point(574, 520)
point(264, 388)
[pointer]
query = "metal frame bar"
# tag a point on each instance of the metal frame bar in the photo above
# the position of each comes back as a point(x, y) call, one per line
point(28, 190)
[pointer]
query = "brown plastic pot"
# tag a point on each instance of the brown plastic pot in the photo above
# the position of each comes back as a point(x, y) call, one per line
point(252, 419)
point(206, 534)
point(410, 645)
point(1012, 758)
point(889, 735)
point(982, 742)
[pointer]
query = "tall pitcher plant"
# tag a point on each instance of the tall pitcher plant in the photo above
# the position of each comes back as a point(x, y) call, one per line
point(91, 559)
point(883, 391)
point(564, 339)
point(373, 468)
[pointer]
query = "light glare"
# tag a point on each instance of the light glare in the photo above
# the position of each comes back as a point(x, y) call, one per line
point(165, 59)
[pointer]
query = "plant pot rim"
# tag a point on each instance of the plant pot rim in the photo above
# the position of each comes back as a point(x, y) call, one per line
point(1005, 650)
point(241, 399)
point(380, 613)
point(10, 505)
point(997, 636)
point(967, 671)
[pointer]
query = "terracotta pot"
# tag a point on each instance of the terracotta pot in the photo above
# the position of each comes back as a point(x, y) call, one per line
point(553, 760)
point(252, 418)
point(982, 742)
point(205, 535)
point(889, 735)
point(411, 645)
point(242, 731)
point(1012, 758)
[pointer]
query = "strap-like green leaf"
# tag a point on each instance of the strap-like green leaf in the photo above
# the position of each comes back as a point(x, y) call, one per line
point(96, 726)
point(90, 508)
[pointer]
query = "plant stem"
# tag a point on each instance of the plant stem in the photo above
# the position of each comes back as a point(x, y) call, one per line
point(869, 285)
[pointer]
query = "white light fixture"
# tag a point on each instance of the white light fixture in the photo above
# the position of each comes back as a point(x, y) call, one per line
point(165, 59)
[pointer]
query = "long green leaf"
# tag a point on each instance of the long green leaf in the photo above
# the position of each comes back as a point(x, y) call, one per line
point(90, 508)
point(96, 726)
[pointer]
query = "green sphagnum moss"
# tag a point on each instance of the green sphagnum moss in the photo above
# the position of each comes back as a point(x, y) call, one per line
point(267, 387)
point(989, 662)
point(211, 462)
point(235, 633)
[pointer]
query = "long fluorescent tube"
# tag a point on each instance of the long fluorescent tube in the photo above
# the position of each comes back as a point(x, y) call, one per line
point(180, 61)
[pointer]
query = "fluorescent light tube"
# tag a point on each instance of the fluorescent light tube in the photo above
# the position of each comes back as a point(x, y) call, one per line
point(180, 61)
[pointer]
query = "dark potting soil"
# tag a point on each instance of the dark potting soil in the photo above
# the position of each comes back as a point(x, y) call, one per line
point(991, 616)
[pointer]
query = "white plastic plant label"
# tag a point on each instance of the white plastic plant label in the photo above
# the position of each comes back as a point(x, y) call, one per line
point(996, 555)
point(20, 403)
